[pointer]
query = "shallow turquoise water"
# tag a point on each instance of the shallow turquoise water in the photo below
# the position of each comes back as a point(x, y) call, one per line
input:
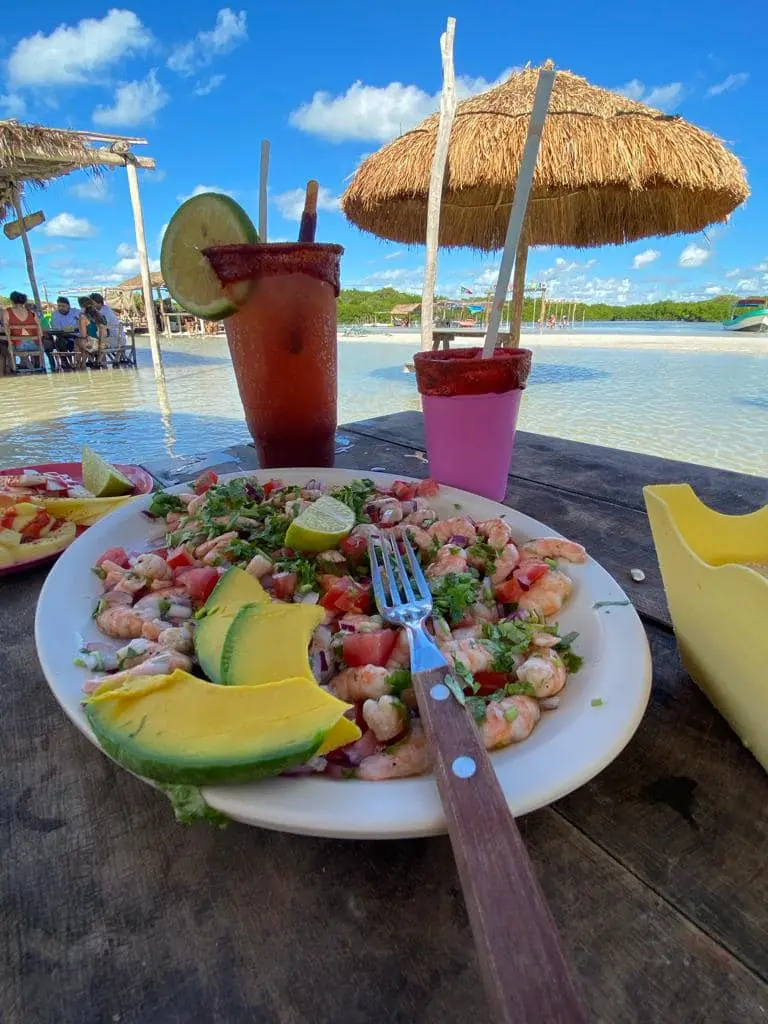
point(710, 408)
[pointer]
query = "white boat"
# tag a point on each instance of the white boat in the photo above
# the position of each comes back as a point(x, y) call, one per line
point(750, 314)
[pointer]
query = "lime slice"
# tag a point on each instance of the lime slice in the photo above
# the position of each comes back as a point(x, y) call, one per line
point(101, 479)
point(321, 526)
point(208, 219)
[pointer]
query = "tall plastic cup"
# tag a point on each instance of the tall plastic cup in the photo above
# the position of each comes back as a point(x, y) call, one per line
point(470, 415)
point(282, 340)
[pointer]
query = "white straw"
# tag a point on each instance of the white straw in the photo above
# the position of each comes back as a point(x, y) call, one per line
point(544, 85)
point(447, 110)
point(263, 176)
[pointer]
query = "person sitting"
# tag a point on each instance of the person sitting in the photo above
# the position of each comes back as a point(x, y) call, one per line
point(93, 332)
point(65, 328)
point(23, 331)
point(116, 338)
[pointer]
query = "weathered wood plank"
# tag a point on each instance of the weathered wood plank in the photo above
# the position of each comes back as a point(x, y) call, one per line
point(606, 473)
point(112, 912)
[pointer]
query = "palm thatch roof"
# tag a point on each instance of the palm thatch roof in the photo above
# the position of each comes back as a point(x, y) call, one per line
point(32, 154)
point(131, 283)
point(610, 170)
point(405, 307)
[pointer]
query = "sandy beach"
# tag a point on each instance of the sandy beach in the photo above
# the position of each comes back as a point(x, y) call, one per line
point(732, 344)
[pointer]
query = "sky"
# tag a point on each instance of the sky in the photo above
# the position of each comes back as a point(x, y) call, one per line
point(329, 84)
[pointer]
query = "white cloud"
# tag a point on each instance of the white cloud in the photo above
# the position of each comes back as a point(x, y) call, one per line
point(12, 105)
point(663, 97)
point(64, 225)
point(125, 249)
point(157, 175)
point(713, 289)
point(291, 203)
point(199, 189)
point(729, 84)
point(204, 88)
point(376, 113)
point(394, 255)
point(71, 55)
point(693, 255)
point(92, 188)
point(642, 259)
point(229, 31)
point(135, 103)
point(733, 273)
point(161, 236)
point(130, 265)
point(747, 284)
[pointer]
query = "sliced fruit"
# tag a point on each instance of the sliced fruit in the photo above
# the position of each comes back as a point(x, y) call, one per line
point(84, 511)
point(16, 553)
point(235, 589)
point(323, 525)
point(345, 731)
point(269, 641)
point(208, 219)
point(180, 729)
point(102, 479)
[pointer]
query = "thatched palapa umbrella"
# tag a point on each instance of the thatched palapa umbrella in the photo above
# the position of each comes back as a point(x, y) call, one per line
point(610, 170)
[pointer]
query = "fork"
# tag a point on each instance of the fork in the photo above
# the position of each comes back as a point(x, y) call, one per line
point(525, 970)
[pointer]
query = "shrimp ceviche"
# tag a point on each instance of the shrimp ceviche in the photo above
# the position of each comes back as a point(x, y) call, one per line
point(495, 598)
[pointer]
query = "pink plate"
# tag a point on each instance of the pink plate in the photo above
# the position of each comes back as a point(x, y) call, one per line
point(142, 484)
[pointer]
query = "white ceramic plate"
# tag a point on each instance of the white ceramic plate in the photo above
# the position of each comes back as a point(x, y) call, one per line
point(568, 747)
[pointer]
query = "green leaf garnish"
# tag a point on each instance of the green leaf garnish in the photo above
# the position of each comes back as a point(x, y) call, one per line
point(189, 806)
point(511, 714)
point(455, 687)
point(163, 503)
point(597, 702)
point(399, 680)
point(610, 604)
point(454, 593)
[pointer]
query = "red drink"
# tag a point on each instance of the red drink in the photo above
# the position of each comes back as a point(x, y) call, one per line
point(283, 345)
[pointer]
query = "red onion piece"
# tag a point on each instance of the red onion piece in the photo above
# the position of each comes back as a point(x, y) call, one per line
point(459, 540)
point(96, 646)
point(362, 748)
point(549, 703)
point(311, 597)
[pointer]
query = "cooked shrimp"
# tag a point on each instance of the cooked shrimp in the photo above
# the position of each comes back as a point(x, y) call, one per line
point(421, 517)
point(401, 653)
point(152, 567)
point(386, 716)
point(557, 547)
point(447, 560)
point(545, 640)
point(545, 672)
point(496, 532)
point(214, 543)
point(510, 720)
point(419, 537)
point(131, 583)
point(365, 530)
point(259, 566)
point(361, 683)
point(505, 564)
point(353, 622)
point(135, 652)
point(176, 638)
point(386, 511)
point(546, 595)
point(195, 503)
point(120, 622)
point(152, 628)
point(411, 757)
point(455, 527)
point(160, 664)
point(470, 653)
point(479, 612)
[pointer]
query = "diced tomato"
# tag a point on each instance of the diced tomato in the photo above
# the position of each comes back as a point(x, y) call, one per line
point(354, 547)
point(272, 485)
point(34, 528)
point(509, 592)
point(205, 481)
point(527, 576)
point(490, 682)
point(344, 595)
point(326, 581)
point(117, 555)
point(428, 488)
point(284, 585)
point(404, 490)
point(179, 557)
point(199, 583)
point(373, 648)
point(8, 518)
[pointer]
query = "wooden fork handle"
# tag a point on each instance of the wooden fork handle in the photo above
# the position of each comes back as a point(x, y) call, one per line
point(527, 976)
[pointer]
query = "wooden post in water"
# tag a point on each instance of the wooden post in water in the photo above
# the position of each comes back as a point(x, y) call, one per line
point(141, 248)
point(16, 199)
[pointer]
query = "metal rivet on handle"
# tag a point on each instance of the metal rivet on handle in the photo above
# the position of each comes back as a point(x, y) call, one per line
point(440, 692)
point(464, 767)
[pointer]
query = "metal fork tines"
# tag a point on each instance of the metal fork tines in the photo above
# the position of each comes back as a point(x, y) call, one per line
point(403, 597)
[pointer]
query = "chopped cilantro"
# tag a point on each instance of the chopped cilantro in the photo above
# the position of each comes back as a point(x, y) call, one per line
point(519, 690)
point(454, 593)
point(476, 707)
point(551, 562)
point(455, 687)
point(189, 806)
point(610, 604)
point(597, 702)
point(356, 495)
point(399, 680)
point(566, 641)
point(163, 503)
point(305, 570)
point(98, 571)
point(465, 676)
point(483, 552)
point(511, 714)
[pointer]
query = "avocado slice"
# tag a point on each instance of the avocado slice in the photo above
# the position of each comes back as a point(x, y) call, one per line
point(235, 589)
point(182, 730)
point(269, 641)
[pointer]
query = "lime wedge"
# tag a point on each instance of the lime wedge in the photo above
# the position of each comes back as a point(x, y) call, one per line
point(321, 526)
point(208, 219)
point(101, 479)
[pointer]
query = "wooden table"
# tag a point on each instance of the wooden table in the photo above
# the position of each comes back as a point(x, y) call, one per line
point(443, 336)
point(655, 870)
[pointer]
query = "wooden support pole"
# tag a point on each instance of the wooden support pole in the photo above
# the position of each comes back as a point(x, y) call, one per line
point(447, 111)
point(141, 249)
point(27, 251)
point(518, 292)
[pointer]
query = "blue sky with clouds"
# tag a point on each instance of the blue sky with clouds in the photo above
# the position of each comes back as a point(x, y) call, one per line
point(330, 83)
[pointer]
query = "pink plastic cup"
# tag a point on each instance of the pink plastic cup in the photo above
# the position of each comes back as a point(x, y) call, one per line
point(470, 415)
